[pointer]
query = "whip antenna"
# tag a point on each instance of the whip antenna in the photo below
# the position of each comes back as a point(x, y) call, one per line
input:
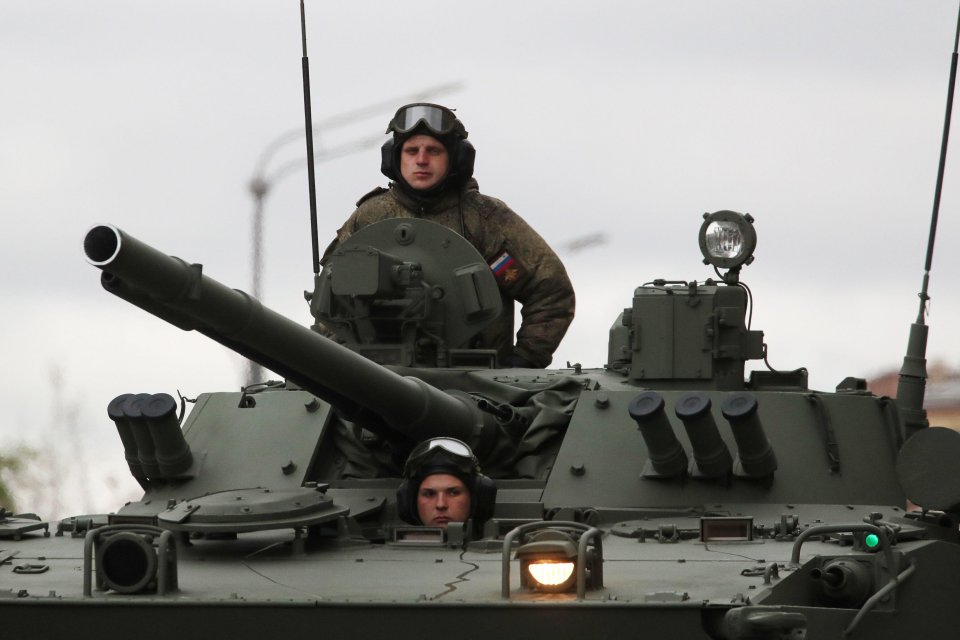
point(913, 374)
point(308, 120)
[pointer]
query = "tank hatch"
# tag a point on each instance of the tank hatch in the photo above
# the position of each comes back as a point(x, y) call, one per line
point(245, 510)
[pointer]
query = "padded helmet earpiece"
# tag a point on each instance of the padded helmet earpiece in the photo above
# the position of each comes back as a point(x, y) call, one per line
point(407, 501)
point(463, 162)
point(483, 499)
point(388, 166)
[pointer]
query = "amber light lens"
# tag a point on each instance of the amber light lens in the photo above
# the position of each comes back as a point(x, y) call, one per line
point(551, 574)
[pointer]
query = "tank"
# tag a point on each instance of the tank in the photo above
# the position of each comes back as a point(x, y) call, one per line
point(677, 494)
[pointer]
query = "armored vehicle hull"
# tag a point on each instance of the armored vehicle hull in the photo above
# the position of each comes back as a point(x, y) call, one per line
point(687, 500)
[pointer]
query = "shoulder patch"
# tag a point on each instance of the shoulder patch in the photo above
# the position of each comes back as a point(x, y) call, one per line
point(377, 191)
point(507, 269)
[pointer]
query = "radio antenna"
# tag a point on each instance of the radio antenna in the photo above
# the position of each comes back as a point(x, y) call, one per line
point(308, 121)
point(913, 374)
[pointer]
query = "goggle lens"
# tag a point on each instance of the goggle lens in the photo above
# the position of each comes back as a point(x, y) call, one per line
point(437, 119)
point(450, 445)
point(426, 452)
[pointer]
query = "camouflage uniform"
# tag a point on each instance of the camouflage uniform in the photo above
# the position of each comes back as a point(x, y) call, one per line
point(526, 268)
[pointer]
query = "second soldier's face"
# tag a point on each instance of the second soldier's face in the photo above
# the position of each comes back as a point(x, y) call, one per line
point(423, 161)
point(442, 499)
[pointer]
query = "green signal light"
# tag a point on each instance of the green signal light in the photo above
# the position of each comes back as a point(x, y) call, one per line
point(872, 540)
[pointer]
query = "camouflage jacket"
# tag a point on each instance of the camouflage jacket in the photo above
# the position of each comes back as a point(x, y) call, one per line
point(526, 268)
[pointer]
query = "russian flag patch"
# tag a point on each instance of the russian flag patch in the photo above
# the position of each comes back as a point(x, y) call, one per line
point(506, 269)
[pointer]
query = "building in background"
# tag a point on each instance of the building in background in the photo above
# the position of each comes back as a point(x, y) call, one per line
point(942, 398)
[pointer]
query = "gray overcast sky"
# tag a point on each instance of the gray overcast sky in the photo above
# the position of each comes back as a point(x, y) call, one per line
point(821, 118)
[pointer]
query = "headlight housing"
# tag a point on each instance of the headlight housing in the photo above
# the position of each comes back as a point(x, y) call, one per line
point(555, 557)
point(727, 239)
point(547, 563)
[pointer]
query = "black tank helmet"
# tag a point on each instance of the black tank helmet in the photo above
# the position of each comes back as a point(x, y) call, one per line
point(436, 121)
point(449, 456)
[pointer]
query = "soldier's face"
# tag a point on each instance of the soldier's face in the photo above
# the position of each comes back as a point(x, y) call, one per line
point(442, 499)
point(423, 161)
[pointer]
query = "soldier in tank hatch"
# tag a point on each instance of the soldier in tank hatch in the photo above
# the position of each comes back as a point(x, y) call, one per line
point(443, 484)
point(430, 163)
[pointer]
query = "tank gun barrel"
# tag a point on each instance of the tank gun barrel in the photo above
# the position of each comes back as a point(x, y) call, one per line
point(179, 293)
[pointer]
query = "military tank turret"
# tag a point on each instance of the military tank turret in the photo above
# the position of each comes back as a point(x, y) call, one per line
point(668, 491)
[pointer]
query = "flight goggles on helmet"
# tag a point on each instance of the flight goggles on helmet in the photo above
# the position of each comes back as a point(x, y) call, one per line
point(438, 120)
point(441, 454)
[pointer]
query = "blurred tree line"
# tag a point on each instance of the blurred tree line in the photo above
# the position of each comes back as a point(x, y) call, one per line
point(12, 466)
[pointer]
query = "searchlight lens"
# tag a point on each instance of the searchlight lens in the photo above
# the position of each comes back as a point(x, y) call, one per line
point(724, 240)
point(727, 239)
